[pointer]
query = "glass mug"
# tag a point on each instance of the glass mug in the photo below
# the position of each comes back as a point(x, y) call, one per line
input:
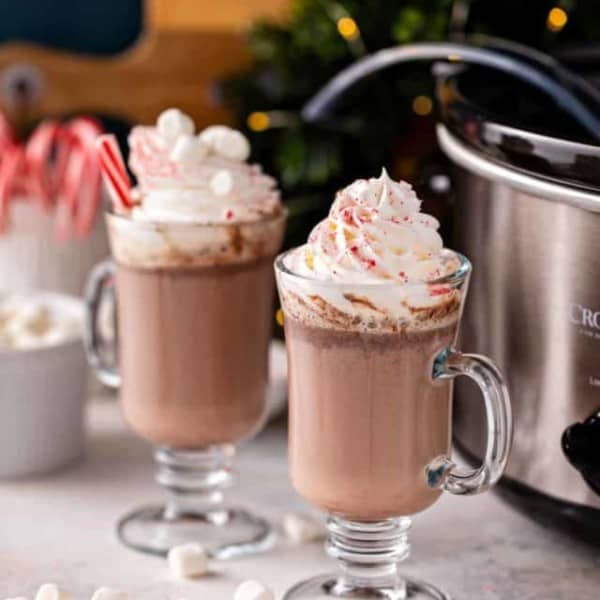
point(370, 418)
point(194, 313)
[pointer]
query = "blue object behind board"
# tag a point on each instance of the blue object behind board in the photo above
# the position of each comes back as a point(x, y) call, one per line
point(81, 26)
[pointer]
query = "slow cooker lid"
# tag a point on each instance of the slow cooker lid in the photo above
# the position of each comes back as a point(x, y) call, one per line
point(511, 123)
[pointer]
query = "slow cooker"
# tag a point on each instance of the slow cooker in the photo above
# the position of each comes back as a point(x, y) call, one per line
point(527, 213)
point(523, 133)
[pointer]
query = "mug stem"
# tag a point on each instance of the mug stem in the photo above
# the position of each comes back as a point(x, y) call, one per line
point(195, 480)
point(369, 553)
point(195, 510)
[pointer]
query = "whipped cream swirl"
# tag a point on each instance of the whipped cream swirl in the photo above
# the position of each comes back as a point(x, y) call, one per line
point(203, 178)
point(374, 232)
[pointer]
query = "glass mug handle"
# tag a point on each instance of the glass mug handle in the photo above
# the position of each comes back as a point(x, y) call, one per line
point(444, 474)
point(100, 277)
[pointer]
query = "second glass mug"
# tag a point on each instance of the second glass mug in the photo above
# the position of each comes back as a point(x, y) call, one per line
point(370, 417)
point(194, 315)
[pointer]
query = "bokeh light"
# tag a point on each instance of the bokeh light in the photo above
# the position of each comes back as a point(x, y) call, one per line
point(258, 121)
point(348, 28)
point(557, 19)
point(422, 105)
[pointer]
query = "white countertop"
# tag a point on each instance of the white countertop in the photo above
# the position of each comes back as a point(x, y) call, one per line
point(61, 528)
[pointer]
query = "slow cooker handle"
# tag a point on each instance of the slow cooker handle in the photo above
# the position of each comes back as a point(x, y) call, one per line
point(320, 105)
point(442, 472)
point(581, 445)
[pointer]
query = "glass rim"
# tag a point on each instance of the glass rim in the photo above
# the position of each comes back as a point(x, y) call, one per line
point(457, 276)
point(110, 213)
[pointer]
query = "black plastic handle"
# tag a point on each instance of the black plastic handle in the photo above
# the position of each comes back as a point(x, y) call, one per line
point(581, 445)
point(565, 88)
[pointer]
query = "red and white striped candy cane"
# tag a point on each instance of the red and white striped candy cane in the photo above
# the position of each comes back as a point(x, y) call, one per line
point(13, 159)
point(80, 198)
point(41, 181)
point(114, 172)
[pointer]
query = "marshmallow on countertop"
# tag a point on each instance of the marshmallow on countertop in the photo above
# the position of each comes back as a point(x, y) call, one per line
point(50, 591)
point(253, 590)
point(105, 593)
point(172, 123)
point(302, 528)
point(187, 560)
point(226, 142)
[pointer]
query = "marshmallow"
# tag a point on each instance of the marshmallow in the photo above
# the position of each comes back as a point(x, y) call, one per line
point(226, 142)
point(187, 560)
point(105, 593)
point(50, 591)
point(253, 590)
point(212, 134)
point(172, 123)
point(30, 323)
point(188, 148)
point(221, 183)
point(302, 528)
point(17, 598)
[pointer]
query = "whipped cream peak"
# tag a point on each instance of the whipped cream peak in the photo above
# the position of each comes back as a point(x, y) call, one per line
point(375, 232)
point(197, 177)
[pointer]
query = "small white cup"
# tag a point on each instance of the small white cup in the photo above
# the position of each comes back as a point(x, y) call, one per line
point(42, 394)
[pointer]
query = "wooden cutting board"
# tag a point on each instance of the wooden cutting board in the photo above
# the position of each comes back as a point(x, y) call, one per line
point(185, 47)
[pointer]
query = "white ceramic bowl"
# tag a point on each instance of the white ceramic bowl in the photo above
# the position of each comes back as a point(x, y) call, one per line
point(42, 394)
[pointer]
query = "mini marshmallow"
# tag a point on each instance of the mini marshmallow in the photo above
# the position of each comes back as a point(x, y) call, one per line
point(187, 560)
point(253, 590)
point(105, 593)
point(188, 148)
point(211, 134)
point(50, 591)
point(226, 142)
point(221, 183)
point(172, 123)
point(302, 528)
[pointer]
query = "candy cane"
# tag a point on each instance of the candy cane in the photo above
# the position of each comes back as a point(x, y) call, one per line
point(81, 185)
point(38, 153)
point(60, 168)
point(12, 162)
point(114, 172)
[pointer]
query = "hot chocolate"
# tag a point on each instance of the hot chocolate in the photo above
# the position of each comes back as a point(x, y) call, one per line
point(194, 286)
point(193, 245)
point(365, 418)
point(364, 321)
point(372, 304)
point(193, 351)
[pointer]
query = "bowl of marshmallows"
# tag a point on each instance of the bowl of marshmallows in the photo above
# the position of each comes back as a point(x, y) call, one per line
point(43, 379)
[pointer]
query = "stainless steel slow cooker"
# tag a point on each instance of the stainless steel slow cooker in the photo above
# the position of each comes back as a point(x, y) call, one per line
point(535, 308)
point(527, 213)
point(524, 135)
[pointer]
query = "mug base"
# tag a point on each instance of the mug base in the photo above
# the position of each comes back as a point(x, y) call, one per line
point(224, 533)
point(329, 586)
